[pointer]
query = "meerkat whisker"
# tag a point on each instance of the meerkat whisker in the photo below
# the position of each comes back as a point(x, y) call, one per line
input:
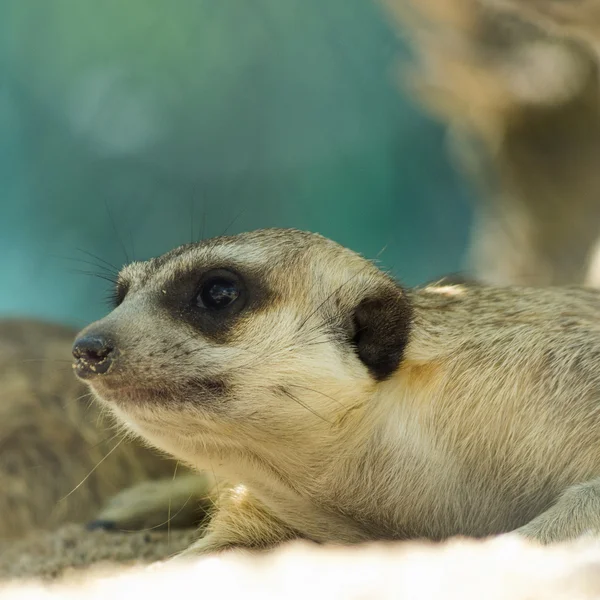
point(103, 276)
point(92, 471)
point(108, 264)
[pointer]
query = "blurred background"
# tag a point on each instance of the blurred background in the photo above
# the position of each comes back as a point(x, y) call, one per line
point(127, 128)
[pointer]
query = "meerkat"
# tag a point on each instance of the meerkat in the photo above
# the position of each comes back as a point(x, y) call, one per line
point(332, 404)
point(520, 100)
point(60, 459)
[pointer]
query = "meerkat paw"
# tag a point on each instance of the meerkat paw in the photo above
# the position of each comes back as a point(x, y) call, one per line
point(575, 514)
point(158, 504)
point(535, 532)
point(241, 523)
point(555, 533)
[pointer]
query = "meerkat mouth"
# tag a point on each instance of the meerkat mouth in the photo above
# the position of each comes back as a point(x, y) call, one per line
point(123, 391)
point(128, 393)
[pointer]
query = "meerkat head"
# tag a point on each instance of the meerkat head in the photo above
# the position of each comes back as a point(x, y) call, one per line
point(258, 334)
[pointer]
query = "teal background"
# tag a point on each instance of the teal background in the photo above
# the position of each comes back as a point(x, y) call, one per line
point(233, 113)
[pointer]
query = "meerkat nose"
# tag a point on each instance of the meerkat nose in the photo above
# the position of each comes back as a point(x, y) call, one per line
point(93, 354)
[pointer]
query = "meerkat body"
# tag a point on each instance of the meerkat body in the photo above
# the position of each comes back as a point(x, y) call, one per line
point(342, 408)
point(60, 460)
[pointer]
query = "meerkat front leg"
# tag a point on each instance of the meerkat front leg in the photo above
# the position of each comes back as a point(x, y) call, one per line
point(182, 501)
point(240, 521)
point(576, 513)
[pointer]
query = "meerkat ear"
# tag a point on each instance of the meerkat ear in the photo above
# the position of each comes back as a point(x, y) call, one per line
point(382, 325)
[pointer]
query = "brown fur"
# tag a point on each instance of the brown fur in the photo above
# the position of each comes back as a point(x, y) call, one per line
point(487, 423)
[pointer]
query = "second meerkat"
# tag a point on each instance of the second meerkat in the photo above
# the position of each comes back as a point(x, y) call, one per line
point(344, 408)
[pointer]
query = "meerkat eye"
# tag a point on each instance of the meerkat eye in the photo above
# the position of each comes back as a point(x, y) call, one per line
point(218, 291)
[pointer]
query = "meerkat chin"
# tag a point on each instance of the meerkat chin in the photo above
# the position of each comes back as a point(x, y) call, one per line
point(341, 407)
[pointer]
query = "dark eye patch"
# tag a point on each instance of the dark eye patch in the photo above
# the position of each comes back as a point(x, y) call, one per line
point(212, 300)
